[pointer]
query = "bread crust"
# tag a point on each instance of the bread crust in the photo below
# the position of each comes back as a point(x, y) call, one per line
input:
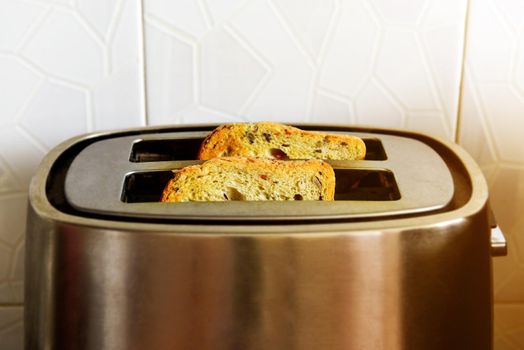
point(273, 140)
point(252, 179)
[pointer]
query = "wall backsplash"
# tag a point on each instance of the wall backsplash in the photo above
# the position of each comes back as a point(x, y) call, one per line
point(66, 68)
point(360, 62)
point(69, 67)
point(491, 129)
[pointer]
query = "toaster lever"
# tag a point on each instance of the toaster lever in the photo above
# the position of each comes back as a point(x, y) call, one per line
point(499, 246)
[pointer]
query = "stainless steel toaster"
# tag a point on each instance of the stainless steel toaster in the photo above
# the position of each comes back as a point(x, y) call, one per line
point(400, 260)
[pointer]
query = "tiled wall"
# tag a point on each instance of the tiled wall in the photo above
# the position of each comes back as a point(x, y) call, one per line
point(66, 68)
point(72, 66)
point(351, 61)
point(492, 130)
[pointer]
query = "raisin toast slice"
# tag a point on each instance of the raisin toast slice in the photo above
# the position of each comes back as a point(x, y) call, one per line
point(252, 179)
point(277, 141)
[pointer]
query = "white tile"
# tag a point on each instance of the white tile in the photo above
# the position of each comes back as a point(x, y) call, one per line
point(512, 289)
point(8, 182)
point(444, 13)
point(99, 13)
point(501, 343)
point(286, 86)
point(376, 106)
point(431, 123)
point(513, 12)
point(490, 47)
point(124, 37)
point(507, 197)
point(518, 75)
point(68, 120)
point(504, 269)
point(65, 47)
point(475, 132)
point(198, 114)
point(403, 69)
point(20, 81)
point(276, 44)
point(17, 290)
point(5, 259)
point(350, 50)
point(220, 11)
point(21, 152)
point(436, 44)
point(491, 130)
point(224, 85)
point(292, 101)
point(331, 108)
point(118, 101)
point(509, 326)
point(504, 106)
point(403, 11)
point(11, 327)
point(66, 68)
point(184, 15)
point(10, 315)
point(64, 3)
point(306, 61)
point(16, 19)
point(12, 218)
point(6, 292)
point(309, 22)
point(170, 86)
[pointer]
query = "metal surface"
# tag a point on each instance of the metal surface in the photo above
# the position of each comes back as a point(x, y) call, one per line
point(499, 246)
point(303, 287)
point(95, 181)
point(401, 283)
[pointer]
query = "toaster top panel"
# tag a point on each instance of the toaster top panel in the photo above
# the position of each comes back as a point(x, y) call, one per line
point(124, 176)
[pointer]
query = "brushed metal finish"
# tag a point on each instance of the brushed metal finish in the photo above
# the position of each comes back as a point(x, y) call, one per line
point(426, 288)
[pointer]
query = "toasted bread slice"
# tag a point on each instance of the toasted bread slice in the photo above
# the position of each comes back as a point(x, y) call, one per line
point(277, 141)
point(252, 179)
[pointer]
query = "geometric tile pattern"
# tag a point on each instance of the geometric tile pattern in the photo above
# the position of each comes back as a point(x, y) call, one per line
point(509, 327)
point(72, 66)
point(339, 61)
point(66, 68)
point(491, 129)
point(11, 246)
point(12, 327)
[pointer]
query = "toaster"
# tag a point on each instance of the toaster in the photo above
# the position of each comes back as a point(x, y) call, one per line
point(401, 259)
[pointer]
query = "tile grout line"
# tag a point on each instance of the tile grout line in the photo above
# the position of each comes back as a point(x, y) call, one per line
point(206, 13)
point(142, 53)
point(508, 303)
point(458, 113)
point(116, 16)
point(6, 305)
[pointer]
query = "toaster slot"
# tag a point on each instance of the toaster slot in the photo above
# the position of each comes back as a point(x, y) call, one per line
point(366, 185)
point(374, 149)
point(163, 150)
point(143, 187)
point(187, 149)
point(351, 184)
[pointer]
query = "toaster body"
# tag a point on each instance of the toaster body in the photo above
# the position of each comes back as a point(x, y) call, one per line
point(368, 271)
